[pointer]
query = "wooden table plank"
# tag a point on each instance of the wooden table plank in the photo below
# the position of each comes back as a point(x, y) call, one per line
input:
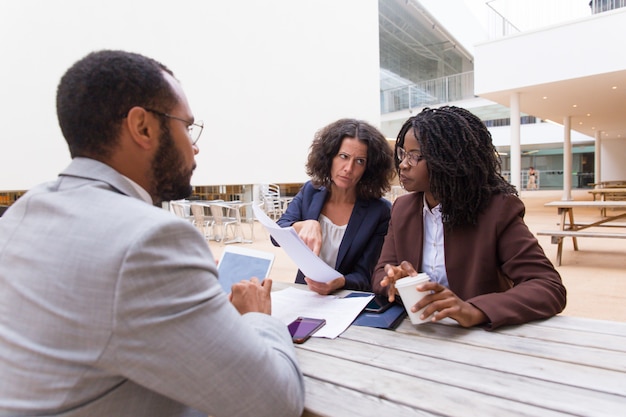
point(548, 349)
point(417, 393)
point(570, 336)
point(562, 364)
point(589, 326)
point(590, 204)
point(328, 399)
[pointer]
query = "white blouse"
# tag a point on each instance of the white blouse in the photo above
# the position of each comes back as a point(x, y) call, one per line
point(433, 257)
point(332, 235)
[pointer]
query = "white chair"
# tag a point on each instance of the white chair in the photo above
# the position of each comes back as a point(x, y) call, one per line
point(224, 219)
point(181, 208)
point(243, 214)
point(272, 203)
point(202, 220)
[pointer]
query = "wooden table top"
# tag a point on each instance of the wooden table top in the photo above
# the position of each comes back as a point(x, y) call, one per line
point(555, 367)
point(608, 190)
point(584, 203)
point(561, 366)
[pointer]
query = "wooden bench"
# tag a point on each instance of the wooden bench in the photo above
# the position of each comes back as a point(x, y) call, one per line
point(608, 194)
point(608, 184)
point(558, 235)
point(594, 224)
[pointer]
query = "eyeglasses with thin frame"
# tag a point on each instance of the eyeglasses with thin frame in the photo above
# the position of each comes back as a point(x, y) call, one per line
point(193, 128)
point(414, 157)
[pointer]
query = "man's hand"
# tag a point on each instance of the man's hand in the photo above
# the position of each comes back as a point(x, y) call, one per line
point(252, 296)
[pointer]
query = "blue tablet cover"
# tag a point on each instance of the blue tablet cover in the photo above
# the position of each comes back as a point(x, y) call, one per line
point(388, 319)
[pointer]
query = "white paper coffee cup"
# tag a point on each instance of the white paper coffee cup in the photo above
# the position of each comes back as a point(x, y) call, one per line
point(410, 296)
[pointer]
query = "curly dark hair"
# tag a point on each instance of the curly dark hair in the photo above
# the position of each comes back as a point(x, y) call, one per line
point(462, 162)
point(96, 93)
point(379, 170)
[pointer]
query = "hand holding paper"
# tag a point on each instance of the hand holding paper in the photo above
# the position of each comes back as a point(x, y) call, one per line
point(288, 239)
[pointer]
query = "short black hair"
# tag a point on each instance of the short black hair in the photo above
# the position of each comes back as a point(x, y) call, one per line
point(96, 93)
point(379, 171)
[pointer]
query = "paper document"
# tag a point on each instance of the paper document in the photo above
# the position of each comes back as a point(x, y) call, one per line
point(310, 264)
point(339, 313)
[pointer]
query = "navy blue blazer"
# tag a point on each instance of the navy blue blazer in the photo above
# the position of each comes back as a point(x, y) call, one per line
point(362, 242)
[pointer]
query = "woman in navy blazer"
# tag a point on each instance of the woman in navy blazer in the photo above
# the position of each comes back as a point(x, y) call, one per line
point(340, 214)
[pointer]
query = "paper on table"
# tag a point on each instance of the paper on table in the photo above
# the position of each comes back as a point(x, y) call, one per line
point(310, 264)
point(339, 313)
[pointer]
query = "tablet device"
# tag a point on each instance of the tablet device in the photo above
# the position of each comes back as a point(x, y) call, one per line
point(239, 263)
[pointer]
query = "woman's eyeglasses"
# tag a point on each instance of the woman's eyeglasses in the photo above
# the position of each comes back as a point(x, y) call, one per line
point(413, 156)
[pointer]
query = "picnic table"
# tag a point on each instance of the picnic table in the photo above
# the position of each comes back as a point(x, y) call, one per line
point(569, 227)
point(608, 193)
point(562, 366)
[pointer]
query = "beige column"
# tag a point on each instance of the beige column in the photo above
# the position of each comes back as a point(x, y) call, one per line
point(516, 153)
point(567, 158)
point(597, 176)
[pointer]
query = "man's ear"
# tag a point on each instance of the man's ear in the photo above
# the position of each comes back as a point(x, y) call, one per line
point(144, 128)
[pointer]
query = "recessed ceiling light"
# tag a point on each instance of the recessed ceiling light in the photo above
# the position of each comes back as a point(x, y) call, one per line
point(614, 87)
point(574, 105)
point(545, 97)
point(588, 114)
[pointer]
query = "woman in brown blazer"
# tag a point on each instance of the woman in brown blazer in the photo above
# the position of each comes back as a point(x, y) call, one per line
point(463, 225)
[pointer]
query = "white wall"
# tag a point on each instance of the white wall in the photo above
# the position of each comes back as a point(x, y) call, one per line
point(263, 75)
point(613, 153)
point(552, 62)
point(535, 133)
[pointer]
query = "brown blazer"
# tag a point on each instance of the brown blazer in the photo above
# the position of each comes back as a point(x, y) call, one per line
point(497, 265)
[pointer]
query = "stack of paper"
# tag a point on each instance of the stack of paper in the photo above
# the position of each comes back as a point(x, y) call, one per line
point(339, 313)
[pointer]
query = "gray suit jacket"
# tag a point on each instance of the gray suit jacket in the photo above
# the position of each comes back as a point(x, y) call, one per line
point(110, 307)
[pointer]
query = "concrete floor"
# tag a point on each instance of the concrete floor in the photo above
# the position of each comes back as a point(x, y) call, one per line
point(595, 275)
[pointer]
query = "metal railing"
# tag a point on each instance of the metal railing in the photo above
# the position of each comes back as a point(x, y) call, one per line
point(599, 6)
point(428, 93)
point(553, 179)
point(529, 15)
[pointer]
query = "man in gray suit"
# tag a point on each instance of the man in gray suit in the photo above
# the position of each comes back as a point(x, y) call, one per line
point(110, 306)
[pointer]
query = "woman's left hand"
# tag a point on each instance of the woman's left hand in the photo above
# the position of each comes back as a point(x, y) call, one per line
point(444, 303)
point(325, 288)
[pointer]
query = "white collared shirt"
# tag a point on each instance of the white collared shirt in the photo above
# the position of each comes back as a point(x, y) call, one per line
point(145, 196)
point(433, 257)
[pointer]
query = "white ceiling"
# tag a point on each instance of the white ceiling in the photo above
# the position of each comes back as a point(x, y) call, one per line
point(593, 103)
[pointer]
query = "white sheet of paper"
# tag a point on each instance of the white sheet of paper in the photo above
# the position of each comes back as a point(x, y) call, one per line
point(339, 313)
point(310, 264)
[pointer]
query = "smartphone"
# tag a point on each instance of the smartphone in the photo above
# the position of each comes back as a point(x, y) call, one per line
point(378, 304)
point(303, 327)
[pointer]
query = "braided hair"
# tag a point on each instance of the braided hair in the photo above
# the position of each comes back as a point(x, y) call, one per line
point(462, 162)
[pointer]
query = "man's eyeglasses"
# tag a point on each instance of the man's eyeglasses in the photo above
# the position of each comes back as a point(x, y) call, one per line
point(414, 157)
point(193, 128)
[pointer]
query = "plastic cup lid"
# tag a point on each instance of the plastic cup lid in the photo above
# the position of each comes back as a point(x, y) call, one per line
point(415, 280)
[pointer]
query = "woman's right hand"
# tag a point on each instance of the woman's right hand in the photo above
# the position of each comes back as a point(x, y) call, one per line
point(394, 273)
point(310, 232)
